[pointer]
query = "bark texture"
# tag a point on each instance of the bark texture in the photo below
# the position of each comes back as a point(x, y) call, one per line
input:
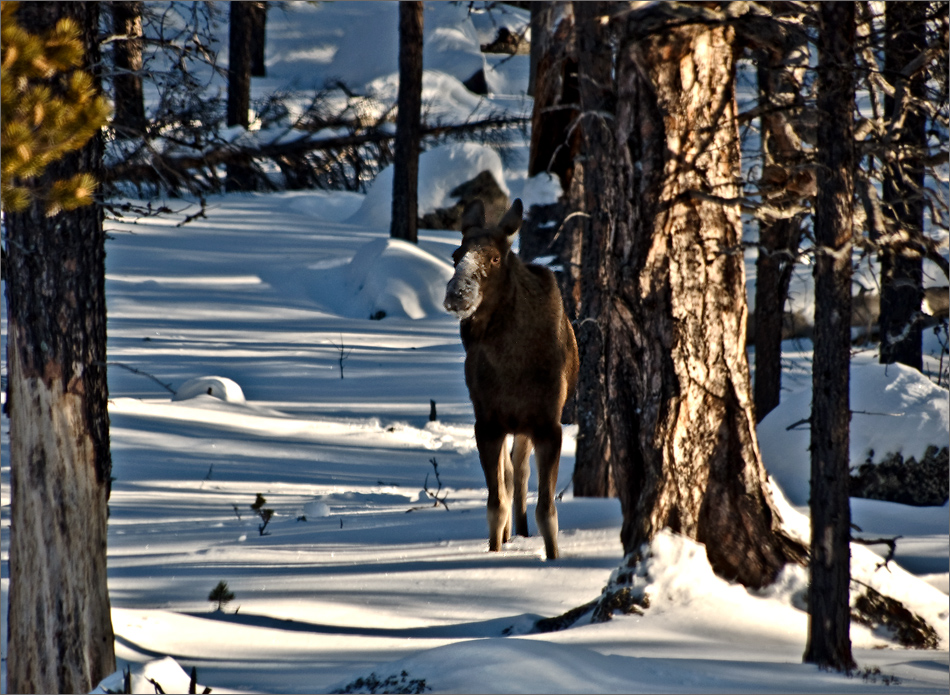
point(903, 188)
point(829, 642)
point(258, 20)
point(129, 119)
point(680, 418)
point(60, 630)
point(595, 209)
point(408, 127)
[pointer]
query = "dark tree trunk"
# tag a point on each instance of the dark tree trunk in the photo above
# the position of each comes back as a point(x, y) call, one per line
point(595, 208)
point(902, 188)
point(258, 18)
point(780, 76)
point(673, 313)
point(60, 625)
point(555, 93)
point(408, 126)
point(240, 175)
point(829, 641)
point(129, 119)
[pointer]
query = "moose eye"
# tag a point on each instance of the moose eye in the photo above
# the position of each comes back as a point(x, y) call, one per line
point(495, 259)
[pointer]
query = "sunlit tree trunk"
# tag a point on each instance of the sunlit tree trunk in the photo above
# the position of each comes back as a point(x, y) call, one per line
point(680, 416)
point(129, 119)
point(60, 626)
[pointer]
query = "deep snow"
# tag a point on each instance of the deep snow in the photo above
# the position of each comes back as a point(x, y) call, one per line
point(267, 303)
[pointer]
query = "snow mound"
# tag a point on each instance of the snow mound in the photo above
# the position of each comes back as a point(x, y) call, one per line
point(217, 386)
point(390, 277)
point(316, 509)
point(440, 170)
point(895, 409)
point(165, 672)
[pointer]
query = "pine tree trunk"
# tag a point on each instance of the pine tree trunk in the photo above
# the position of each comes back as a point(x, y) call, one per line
point(240, 176)
point(780, 75)
point(829, 641)
point(408, 126)
point(258, 18)
point(902, 189)
point(129, 119)
point(60, 629)
point(680, 418)
point(593, 476)
point(555, 92)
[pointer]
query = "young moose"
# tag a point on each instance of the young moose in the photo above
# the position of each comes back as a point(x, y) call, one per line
point(520, 368)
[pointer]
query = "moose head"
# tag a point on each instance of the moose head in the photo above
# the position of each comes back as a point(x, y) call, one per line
point(481, 262)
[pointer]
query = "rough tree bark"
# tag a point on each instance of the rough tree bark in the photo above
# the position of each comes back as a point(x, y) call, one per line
point(60, 629)
point(405, 211)
point(829, 641)
point(595, 210)
point(780, 75)
point(680, 421)
point(240, 176)
point(555, 91)
point(129, 119)
point(902, 188)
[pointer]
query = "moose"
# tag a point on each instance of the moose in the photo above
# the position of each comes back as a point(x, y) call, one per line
point(520, 368)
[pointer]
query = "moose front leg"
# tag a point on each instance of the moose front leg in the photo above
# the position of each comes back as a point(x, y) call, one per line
point(547, 453)
point(495, 461)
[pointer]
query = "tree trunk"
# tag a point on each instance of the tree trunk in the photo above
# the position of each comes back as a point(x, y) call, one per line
point(595, 208)
point(60, 629)
point(555, 93)
point(408, 127)
point(129, 119)
point(780, 76)
point(829, 641)
point(257, 12)
point(903, 189)
point(680, 421)
point(240, 176)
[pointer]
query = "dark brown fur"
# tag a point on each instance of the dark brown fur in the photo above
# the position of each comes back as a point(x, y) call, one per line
point(520, 368)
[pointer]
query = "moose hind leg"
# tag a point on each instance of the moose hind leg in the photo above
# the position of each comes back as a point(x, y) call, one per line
point(521, 468)
point(508, 491)
point(490, 443)
point(548, 454)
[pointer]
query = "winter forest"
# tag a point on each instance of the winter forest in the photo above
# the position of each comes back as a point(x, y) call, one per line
point(258, 433)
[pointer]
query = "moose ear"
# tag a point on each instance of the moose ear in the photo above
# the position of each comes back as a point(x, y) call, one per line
point(474, 216)
point(511, 222)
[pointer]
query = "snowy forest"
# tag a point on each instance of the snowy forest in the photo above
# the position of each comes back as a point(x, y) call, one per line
point(245, 441)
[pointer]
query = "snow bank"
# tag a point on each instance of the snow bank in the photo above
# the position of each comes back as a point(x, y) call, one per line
point(440, 170)
point(390, 277)
point(216, 386)
point(895, 409)
point(165, 672)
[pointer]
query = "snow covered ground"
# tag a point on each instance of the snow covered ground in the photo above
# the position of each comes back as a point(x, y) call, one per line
point(325, 412)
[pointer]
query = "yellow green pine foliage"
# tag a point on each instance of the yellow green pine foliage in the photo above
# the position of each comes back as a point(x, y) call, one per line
point(49, 107)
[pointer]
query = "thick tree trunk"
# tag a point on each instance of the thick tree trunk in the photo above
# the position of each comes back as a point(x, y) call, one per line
point(595, 209)
point(129, 119)
point(829, 641)
point(240, 176)
point(408, 127)
point(680, 421)
point(903, 190)
point(60, 629)
point(780, 76)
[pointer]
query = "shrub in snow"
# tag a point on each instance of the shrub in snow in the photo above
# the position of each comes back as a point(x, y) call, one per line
point(393, 684)
point(221, 595)
point(921, 484)
point(216, 386)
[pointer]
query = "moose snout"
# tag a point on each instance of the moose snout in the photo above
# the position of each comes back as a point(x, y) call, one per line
point(462, 296)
